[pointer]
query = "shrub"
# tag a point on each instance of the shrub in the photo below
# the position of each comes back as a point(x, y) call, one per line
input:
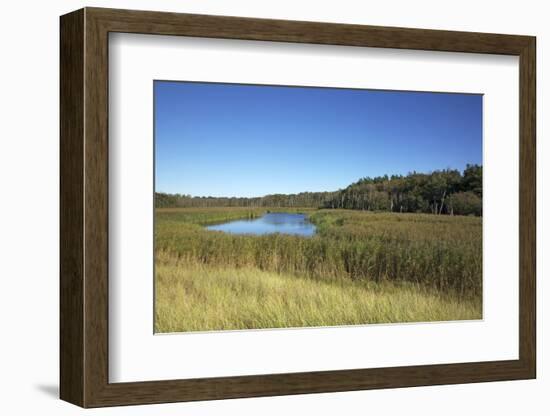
point(465, 203)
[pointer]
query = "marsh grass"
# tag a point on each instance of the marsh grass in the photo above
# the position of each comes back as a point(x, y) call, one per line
point(360, 267)
point(195, 297)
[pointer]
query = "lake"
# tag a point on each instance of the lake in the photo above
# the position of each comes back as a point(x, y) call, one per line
point(273, 222)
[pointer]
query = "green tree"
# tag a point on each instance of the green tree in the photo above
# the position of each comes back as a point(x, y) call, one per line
point(465, 203)
point(473, 179)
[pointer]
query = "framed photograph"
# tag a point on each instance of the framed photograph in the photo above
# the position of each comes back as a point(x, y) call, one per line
point(255, 207)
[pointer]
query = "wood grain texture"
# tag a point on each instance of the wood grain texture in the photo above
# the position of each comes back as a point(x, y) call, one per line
point(162, 23)
point(84, 207)
point(527, 208)
point(71, 208)
point(96, 208)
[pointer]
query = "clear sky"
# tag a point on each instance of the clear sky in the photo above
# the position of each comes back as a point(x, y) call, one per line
point(247, 140)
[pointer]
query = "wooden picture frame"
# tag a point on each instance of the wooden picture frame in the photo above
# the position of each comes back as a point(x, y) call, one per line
point(84, 207)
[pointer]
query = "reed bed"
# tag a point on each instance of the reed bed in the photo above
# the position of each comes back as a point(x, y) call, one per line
point(194, 297)
point(360, 267)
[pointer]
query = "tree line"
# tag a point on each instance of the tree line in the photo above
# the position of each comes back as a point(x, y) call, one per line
point(439, 192)
point(303, 199)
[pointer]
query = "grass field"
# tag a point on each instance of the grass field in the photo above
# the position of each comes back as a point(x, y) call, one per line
point(360, 267)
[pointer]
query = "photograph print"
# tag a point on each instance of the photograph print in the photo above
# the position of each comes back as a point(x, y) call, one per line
point(292, 207)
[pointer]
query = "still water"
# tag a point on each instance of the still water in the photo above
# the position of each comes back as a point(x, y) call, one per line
point(276, 222)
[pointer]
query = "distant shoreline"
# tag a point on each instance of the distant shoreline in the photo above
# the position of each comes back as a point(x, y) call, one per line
point(439, 192)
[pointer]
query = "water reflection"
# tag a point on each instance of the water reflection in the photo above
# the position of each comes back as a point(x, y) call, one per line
point(274, 222)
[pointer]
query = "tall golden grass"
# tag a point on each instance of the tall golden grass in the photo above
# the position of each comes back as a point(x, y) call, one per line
point(193, 297)
point(360, 267)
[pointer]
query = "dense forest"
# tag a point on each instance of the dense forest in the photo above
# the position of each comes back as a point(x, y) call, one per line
point(439, 192)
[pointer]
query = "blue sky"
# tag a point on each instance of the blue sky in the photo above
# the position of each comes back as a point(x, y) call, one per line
point(250, 140)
